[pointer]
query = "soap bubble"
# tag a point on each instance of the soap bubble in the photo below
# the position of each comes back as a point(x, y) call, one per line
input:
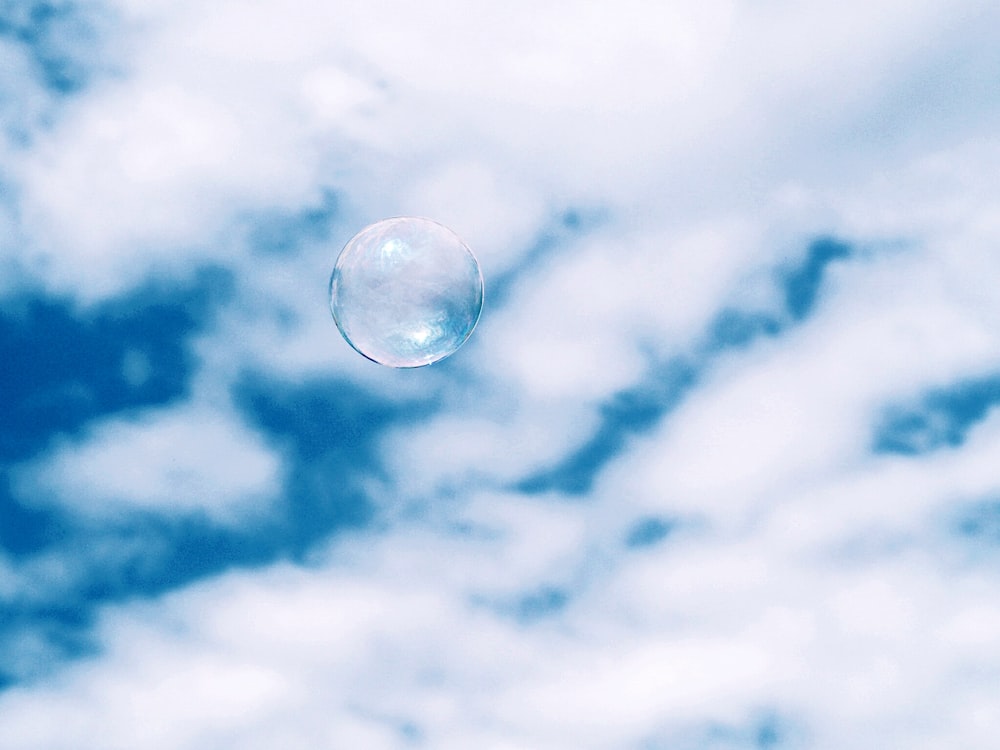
point(406, 292)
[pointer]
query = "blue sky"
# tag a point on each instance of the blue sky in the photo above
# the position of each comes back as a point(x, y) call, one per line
point(717, 471)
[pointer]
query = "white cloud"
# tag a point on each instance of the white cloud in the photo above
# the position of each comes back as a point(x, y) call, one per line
point(794, 410)
point(392, 630)
point(805, 577)
point(497, 214)
point(223, 110)
point(171, 460)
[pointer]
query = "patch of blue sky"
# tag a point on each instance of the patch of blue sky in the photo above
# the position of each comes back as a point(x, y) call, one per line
point(940, 418)
point(61, 367)
point(328, 432)
point(553, 239)
point(767, 731)
point(109, 564)
point(800, 287)
point(629, 412)
point(19, 105)
point(167, 553)
point(733, 328)
point(980, 522)
point(139, 555)
point(963, 535)
point(25, 531)
point(529, 607)
point(802, 284)
point(639, 408)
point(287, 232)
point(540, 603)
point(61, 39)
point(36, 638)
point(649, 532)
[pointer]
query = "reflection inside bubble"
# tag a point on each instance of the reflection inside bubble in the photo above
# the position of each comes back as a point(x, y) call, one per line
point(406, 292)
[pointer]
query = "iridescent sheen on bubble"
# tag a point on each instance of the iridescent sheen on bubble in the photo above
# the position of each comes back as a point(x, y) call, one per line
point(406, 292)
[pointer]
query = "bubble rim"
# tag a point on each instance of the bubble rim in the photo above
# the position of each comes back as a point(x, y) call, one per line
point(337, 265)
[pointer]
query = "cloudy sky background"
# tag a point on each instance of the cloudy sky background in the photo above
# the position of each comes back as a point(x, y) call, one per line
point(719, 469)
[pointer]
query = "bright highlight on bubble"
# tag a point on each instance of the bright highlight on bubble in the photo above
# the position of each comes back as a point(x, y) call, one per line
point(406, 292)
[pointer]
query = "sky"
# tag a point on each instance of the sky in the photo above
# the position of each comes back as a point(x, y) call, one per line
point(718, 469)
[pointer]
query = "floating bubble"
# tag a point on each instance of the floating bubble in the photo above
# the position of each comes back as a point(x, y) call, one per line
point(406, 292)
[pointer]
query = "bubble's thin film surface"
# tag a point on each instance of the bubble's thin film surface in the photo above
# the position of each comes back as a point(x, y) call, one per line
point(406, 292)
